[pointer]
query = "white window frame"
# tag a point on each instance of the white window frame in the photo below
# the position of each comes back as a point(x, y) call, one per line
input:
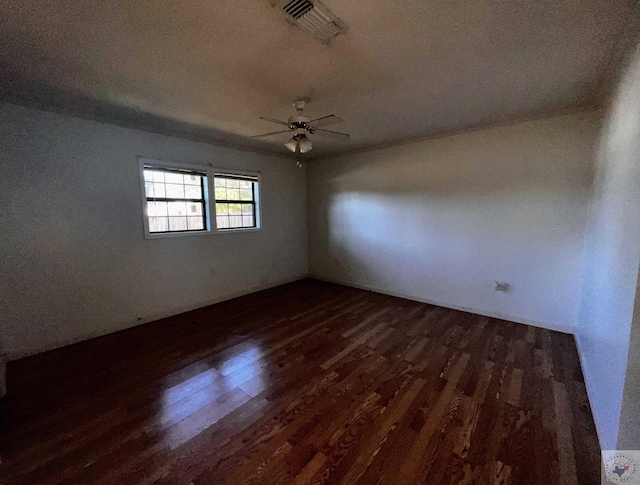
point(210, 200)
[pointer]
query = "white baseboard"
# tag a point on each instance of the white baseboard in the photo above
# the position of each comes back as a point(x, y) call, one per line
point(500, 316)
point(19, 354)
point(590, 394)
point(123, 325)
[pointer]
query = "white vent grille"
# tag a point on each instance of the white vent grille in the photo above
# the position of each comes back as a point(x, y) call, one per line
point(313, 17)
point(297, 8)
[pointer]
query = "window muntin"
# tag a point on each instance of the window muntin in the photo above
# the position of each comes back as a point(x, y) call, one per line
point(176, 200)
point(235, 199)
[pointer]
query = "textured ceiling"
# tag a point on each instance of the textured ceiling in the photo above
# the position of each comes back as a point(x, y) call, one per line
point(405, 70)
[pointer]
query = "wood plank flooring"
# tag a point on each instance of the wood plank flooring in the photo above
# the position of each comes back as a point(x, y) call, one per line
point(307, 383)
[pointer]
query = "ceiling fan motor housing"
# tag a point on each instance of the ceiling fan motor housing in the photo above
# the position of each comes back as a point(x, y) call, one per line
point(299, 121)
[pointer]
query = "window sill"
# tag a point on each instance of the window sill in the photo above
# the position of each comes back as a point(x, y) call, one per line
point(237, 230)
point(162, 235)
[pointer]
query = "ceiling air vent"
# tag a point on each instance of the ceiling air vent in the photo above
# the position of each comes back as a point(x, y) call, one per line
point(313, 17)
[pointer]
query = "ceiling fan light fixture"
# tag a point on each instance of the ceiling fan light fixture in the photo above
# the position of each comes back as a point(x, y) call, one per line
point(304, 143)
point(299, 143)
point(292, 144)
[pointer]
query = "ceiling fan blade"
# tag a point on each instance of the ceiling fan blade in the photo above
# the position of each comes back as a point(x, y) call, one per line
point(273, 120)
point(325, 121)
point(333, 134)
point(271, 133)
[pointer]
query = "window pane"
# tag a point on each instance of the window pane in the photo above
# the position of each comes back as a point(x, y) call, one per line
point(247, 221)
point(235, 221)
point(245, 184)
point(148, 188)
point(221, 193)
point(220, 182)
point(246, 195)
point(158, 224)
point(192, 192)
point(174, 178)
point(247, 209)
point(233, 194)
point(233, 184)
point(235, 209)
point(178, 223)
point(157, 209)
point(148, 174)
point(191, 179)
point(158, 190)
point(175, 191)
point(158, 175)
point(195, 223)
point(177, 208)
point(222, 208)
point(222, 222)
point(194, 209)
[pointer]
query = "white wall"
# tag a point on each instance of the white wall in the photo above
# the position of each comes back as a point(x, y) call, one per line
point(442, 220)
point(612, 254)
point(629, 423)
point(74, 262)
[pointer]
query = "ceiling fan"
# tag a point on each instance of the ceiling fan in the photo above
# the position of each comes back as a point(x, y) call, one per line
point(301, 126)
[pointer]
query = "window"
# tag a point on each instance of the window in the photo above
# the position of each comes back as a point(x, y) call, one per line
point(176, 199)
point(183, 199)
point(235, 201)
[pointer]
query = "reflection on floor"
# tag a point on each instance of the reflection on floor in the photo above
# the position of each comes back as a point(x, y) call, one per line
point(305, 383)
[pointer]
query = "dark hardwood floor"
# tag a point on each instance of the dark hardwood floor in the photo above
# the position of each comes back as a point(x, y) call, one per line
point(305, 383)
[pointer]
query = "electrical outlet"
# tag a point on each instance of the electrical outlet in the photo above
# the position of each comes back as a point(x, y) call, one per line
point(502, 286)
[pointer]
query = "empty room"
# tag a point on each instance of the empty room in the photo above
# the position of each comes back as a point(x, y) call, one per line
point(320, 242)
